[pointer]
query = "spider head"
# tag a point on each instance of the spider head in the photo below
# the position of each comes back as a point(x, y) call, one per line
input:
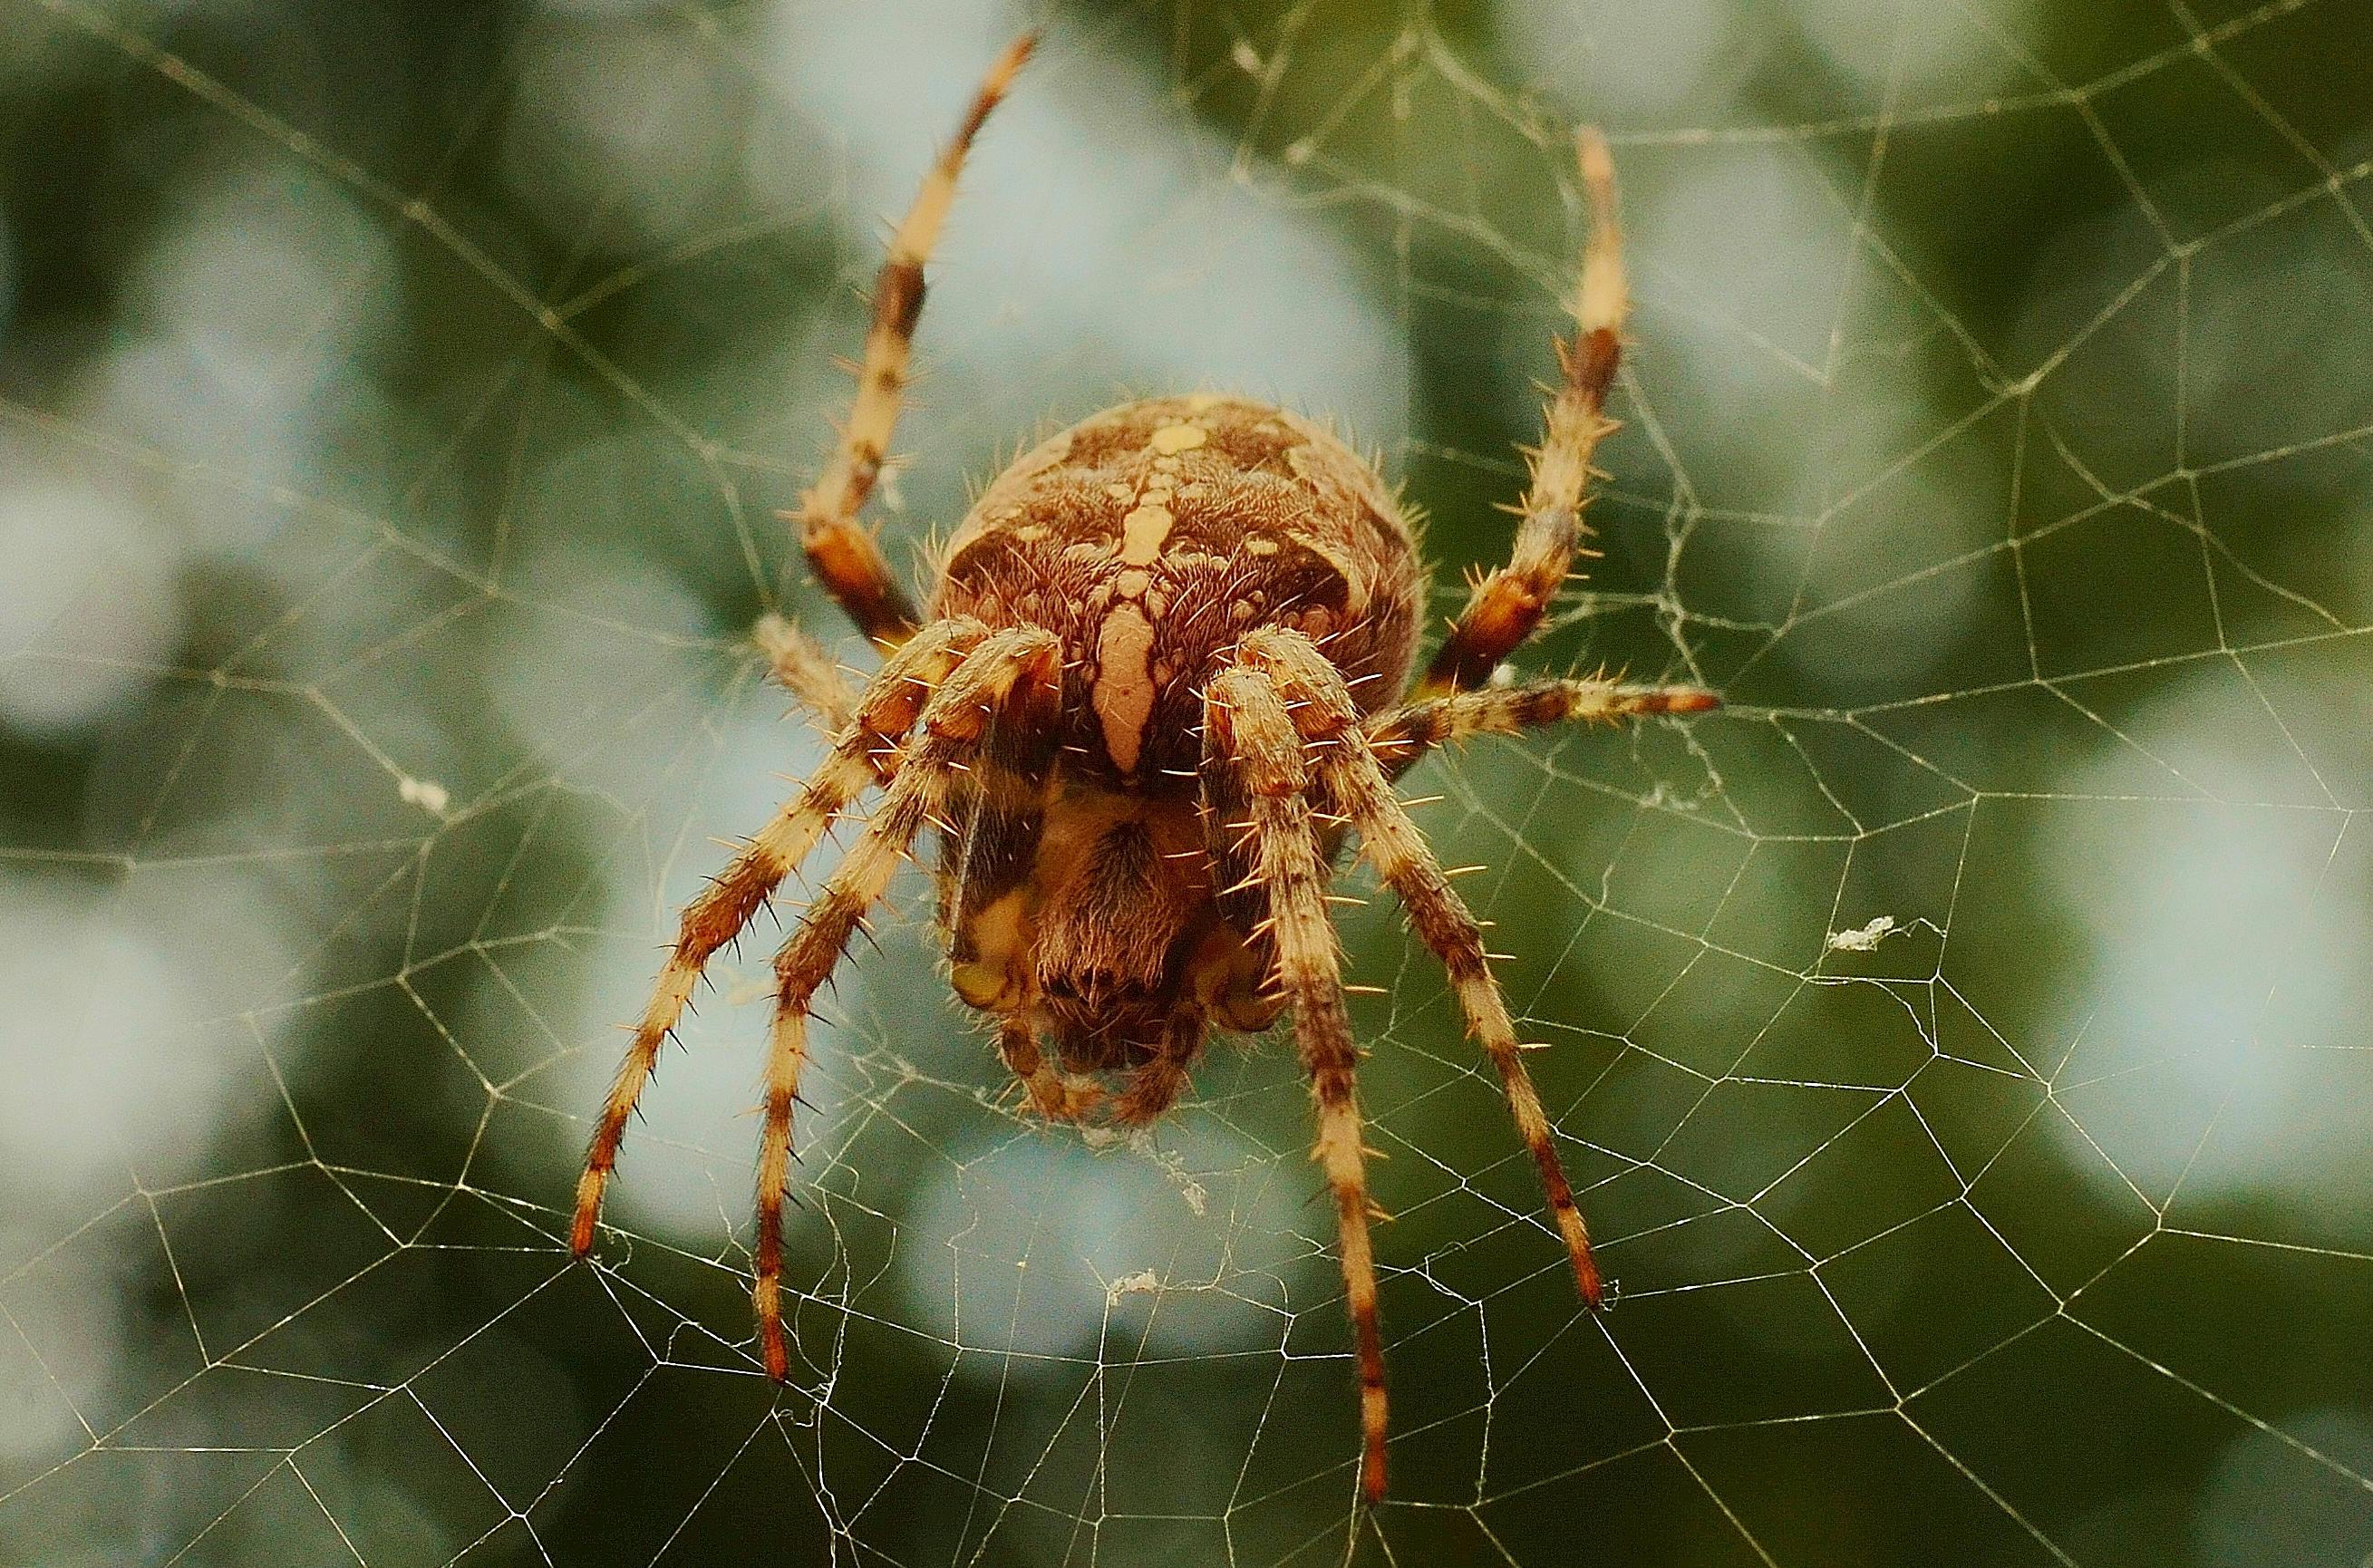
point(1130, 957)
point(1119, 927)
point(1100, 1018)
point(1099, 1021)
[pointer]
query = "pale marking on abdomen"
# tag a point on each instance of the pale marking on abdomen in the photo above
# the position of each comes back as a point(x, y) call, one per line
point(1123, 693)
point(1144, 530)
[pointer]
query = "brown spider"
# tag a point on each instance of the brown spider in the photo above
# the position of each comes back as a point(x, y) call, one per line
point(1162, 671)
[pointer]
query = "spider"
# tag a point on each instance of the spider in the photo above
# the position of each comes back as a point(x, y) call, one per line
point(1165, 665)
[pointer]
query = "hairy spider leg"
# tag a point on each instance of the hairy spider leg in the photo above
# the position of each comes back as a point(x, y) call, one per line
point(1400, 736)
point(1250, 732)
point(1507, 606)
point(799, 664)
point(844, 554)
point(1054, 1095)
point(1353, 781)
point(865, 753)
point(1013, 677)
point(1155, 1083)
point(998, 810)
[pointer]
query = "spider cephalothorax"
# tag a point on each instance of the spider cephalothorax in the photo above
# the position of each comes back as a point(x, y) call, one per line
point(1163, 670)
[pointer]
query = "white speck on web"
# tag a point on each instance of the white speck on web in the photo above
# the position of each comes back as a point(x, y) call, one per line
point(1188, 1187)
point(1864, 938)
point(425, 793)
point(1141, 1283)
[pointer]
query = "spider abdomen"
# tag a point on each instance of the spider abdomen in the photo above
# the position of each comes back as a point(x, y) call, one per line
point(1151, 537)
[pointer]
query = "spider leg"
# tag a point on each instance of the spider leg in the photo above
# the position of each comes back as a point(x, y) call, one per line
point(1350, 778)
point(845, 556)
point(1156, 1082)
point(1054, 1095)
point(1400, 736)
point(1507, 606)
point(1012, 674)
point(999, 812)
point(863, 755)
point(1250, 733)
point(999, 807)
point(799, 664)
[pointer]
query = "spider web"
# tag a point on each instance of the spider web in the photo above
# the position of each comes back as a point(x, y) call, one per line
point(1958, 1042)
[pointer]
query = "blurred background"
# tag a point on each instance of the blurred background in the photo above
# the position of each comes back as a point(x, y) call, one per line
point(1961, 1041)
